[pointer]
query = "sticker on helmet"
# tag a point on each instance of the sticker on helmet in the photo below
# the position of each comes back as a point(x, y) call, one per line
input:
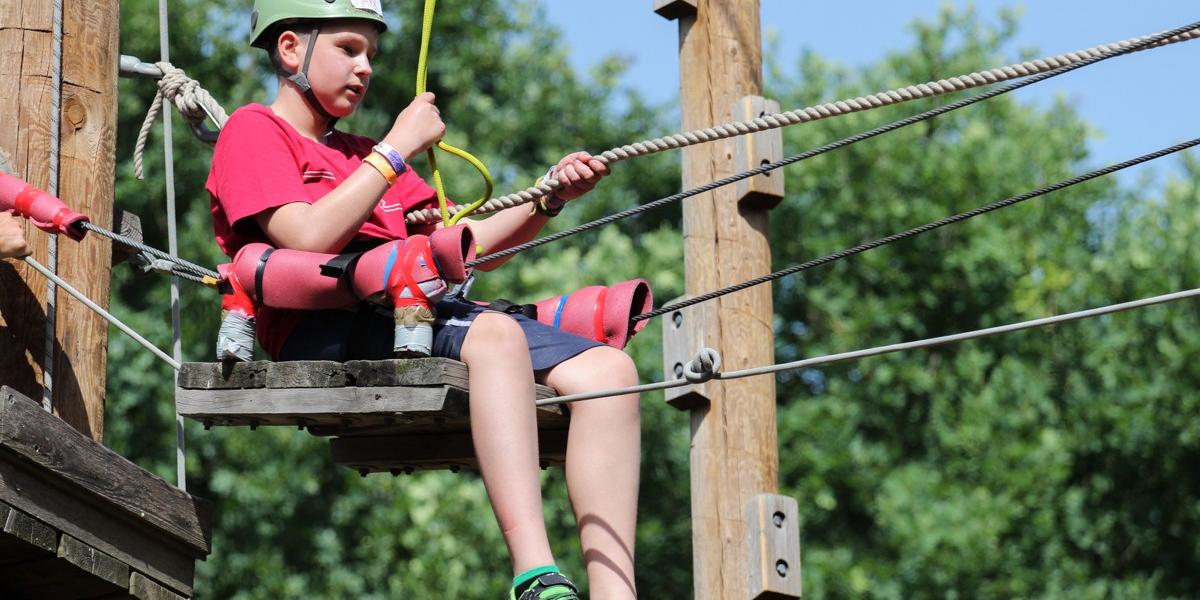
point(374, 6)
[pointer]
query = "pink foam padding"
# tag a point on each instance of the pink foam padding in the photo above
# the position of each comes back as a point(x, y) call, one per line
point(370, 271)
point(600, 313)
point(452, 248)
point(45, 211)
point(626, 300)
point(291, 279)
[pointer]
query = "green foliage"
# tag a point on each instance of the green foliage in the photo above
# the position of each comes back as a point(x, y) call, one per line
point(1055, 463)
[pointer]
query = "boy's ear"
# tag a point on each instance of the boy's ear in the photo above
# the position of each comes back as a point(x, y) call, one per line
point(290, 47)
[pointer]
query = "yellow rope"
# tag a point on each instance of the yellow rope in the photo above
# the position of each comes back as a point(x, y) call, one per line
point(422, 75)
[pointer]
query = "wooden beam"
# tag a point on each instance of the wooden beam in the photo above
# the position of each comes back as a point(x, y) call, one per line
point(86, 179)
point(28, 432)
point(734, 453)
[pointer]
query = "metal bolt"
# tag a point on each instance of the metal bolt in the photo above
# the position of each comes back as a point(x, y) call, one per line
point(781, 567)
point(677, 318)
point(778, 518)
point(678, 370)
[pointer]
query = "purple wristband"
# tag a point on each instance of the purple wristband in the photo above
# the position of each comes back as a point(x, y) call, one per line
point(392, 155)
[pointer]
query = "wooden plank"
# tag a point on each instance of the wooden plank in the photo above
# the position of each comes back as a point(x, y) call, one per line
point(764, 191)
point(408, 453)
point(734, 452)
point(316, 406)
point(30, 531)
point(51, 444)
point(683, 335)
point(223, 376)
point(25, 487)
point(51, 579)
point(421, 371)
point(307, 374)
point(14, 549)
point(94, 562)
point(144, 588)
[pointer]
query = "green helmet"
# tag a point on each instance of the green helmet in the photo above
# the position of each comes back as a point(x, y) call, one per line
point(269, 12)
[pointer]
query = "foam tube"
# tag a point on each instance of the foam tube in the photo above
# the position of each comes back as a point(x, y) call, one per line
point(47, 212)
point(600, 313)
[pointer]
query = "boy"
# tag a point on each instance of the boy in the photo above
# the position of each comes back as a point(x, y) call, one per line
point(282, 175)
point(12, 237)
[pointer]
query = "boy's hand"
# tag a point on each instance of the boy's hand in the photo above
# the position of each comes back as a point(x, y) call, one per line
point(12, 237)
point(417, 127)
point(579, 173)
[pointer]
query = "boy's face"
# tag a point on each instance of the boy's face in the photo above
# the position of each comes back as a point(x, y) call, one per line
point(340, 69)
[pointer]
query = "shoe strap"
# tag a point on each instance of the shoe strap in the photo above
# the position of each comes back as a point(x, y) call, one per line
point(544, 582)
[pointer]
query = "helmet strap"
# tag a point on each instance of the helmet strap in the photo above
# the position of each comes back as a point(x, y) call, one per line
point(301, 81)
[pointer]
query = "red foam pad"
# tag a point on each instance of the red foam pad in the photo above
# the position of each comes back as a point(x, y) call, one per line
point(47, 212)
point(600, 313)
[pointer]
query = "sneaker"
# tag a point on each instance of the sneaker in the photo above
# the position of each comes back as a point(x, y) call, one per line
point(551, 586)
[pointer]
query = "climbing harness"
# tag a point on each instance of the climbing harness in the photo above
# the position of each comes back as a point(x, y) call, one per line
point(422, 76)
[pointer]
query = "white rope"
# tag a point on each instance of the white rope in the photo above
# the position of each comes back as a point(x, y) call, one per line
point(100, 311)
point(52, 188)
point(812, 113)
point(857, 354)
point(192, 101)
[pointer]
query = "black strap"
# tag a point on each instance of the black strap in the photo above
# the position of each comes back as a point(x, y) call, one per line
point(512, 308)
point(340, 265)
point(259, 269)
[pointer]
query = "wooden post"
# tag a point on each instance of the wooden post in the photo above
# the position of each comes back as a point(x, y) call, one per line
point(86, 179)
point(735, 456)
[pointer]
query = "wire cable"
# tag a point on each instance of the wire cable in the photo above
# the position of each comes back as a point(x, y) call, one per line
point(832, 146)
point(916, 230)
point(100, 311)
point(891, 348)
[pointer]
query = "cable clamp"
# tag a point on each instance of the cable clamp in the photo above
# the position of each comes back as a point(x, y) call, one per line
point(704, 367)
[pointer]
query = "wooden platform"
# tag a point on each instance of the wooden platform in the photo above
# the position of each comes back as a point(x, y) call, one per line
point(395, 416)
point(79, 521)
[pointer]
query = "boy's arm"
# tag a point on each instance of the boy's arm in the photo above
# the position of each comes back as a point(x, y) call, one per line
point(328, 224)
point(578, 171)
point(12, 237)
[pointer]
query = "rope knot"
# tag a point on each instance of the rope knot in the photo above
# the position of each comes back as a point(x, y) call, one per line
point(704, 367)
point(194, 103)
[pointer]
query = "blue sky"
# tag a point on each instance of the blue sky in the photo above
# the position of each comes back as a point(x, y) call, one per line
point(1141, 102)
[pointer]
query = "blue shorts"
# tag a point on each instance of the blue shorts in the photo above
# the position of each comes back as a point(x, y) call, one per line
point(366, 334)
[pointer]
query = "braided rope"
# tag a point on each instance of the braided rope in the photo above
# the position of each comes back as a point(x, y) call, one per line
point(818, 112)
point(192, 101)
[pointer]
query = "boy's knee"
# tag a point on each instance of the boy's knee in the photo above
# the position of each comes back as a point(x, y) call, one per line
point(494, 334)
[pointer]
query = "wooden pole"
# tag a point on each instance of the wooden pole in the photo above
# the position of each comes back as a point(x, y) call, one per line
point(87, 137)
point(734, 453)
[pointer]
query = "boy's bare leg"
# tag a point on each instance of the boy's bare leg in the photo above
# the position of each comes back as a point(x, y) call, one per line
point(603, 461)
point(504, 429)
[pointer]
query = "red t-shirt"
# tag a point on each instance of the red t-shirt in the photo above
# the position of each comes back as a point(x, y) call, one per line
point(261, 162)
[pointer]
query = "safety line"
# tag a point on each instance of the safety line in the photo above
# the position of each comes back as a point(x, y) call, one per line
point(829, 109)
point(164, 48)
point(916, 231)
point(56, 66)
point(100, 311)
point(196, 272)
point(832, 146)
point(903, 346)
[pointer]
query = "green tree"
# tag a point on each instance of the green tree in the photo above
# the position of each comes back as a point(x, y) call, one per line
point(1054, 463)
